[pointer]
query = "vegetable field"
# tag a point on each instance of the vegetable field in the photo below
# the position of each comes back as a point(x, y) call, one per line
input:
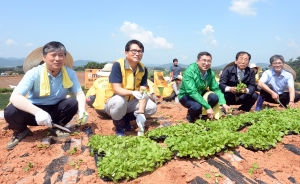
point(199, 140)
point(250, 148)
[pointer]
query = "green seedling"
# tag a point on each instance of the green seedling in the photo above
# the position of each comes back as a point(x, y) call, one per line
point(41, 146)
point(72, 151)
point(207, 175)
point(74, 133)
point(253, 168)
point(155, 121)
point(241, 87)
point(76, 164)
point(167, 117)
point(47, 133)
point(218, 175)
point(81, 120)
point(29, 166)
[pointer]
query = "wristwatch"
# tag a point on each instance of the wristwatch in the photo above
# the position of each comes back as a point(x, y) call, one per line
point(140, 113)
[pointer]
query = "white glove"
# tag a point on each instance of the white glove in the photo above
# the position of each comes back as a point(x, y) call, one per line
point(82, 118)
point(43, 118)
point(138, 95)
point(140, 121)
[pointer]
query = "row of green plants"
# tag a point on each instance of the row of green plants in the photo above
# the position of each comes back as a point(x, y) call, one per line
point(126, 158)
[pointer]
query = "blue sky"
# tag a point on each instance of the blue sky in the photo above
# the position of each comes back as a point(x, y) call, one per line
point(99, 30)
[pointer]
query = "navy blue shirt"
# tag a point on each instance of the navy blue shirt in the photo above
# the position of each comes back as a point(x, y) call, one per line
point(116, 75)
point(176, 70)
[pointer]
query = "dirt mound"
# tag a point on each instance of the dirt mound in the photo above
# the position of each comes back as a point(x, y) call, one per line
point(31, 162)
point(51, 164)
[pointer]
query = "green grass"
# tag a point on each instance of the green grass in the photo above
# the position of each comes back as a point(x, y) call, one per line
point(297, 86)
point(4, 99)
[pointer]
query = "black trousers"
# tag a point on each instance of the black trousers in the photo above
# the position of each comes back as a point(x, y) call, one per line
point(171, 97)
point(284, 97)
point(245, 100)
point(61, 113)
point(194, 108)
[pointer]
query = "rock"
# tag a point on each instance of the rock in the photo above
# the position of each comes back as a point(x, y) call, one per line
point(75, 143)
point(23, 181)
point(70, 177)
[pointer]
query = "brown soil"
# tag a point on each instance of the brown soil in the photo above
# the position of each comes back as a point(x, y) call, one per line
point(14, 80)
point(282, 162)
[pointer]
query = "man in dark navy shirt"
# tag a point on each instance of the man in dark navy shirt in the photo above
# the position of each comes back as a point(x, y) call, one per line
point(175, 70)
point(125, 94)
point(116, 75)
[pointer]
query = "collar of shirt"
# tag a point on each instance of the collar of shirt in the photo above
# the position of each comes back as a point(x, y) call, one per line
point(238, 71)
point(204, 75)
point(281, 73)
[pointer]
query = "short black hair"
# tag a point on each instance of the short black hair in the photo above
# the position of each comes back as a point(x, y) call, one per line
point(204, 53)
point(127, 46)
point(175, 60)
point(241, 53)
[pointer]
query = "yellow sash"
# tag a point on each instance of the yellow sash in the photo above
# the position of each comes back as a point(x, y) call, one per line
point(216, 108)
point(151, 86)
point(45, 84)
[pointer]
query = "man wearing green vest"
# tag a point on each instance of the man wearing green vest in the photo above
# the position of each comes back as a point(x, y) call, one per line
point(125, 95)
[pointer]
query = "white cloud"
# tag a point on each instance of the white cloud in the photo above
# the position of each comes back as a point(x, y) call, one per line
point(243, 7)
point(183, 57)
point(10, 42)
point(134, 31)
point(0, 53)
point(294, 46)
point(208, 29)
point(278, 38)
point(28, 44)
point(209, 37)
point(214, 43)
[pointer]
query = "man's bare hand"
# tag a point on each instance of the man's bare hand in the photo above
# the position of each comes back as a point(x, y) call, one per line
point(275, 96)
point(210, 113)
point(226, 107)
point(233, 90)
point(292, 105)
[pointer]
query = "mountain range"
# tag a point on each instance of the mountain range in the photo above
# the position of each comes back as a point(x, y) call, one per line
point(13, 62)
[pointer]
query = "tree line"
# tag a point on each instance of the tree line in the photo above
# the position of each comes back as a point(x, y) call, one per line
point(295, 64)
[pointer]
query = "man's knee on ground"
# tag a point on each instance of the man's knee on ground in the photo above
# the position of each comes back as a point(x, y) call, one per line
point(213, 99)
point(150, 109)
point(196, 107)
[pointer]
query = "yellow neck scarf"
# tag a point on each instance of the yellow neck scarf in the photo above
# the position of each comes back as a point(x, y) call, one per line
point(45, 84)
point(216, 108)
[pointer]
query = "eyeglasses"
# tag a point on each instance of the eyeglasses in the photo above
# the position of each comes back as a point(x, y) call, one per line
point(243, 59)
point(136, 51)
point(277, 63)
point(205, 61)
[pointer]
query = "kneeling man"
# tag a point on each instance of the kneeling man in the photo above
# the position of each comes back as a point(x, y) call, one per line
point(199, 79)
point(239, 73)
